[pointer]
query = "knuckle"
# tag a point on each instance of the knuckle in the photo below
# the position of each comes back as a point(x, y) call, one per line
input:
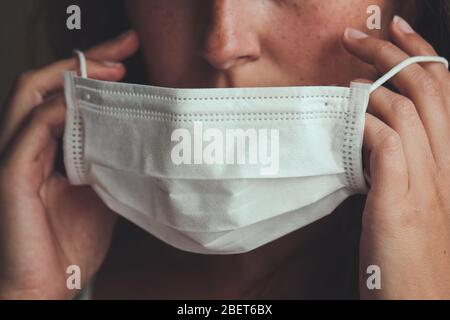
point(425, 49)
point(428, 84)
point(389, 156)
point(384, 48)
point(404, 108)
point(390, 141)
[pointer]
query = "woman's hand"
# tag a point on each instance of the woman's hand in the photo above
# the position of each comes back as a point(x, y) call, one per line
point(406, 221)
point(46, 224)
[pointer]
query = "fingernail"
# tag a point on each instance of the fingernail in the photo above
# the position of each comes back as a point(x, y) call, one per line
point(402, 25)
point(354, 34)
point(111, 64)
point(124, 35)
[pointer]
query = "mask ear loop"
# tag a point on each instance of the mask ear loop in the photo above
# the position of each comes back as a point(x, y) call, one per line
point(402, 66)
point(392, 73)
point(83, 65)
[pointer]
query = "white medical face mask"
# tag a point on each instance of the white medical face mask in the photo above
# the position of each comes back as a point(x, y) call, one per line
point(218, 171)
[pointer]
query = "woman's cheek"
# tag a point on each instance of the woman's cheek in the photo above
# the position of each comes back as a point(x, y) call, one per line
point(305, 40)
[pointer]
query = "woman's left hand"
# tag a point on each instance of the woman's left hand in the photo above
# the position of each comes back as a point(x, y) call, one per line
point(406, 221)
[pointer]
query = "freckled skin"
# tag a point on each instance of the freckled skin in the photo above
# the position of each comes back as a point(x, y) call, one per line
point(251, 43)
point(237, 43)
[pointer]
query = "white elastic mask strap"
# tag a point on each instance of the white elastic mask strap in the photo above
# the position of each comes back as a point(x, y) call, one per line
point(402, 66)
point(83, 66)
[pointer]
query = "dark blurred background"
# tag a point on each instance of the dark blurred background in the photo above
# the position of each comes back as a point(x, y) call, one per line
point(24, 42)
point(33, 33)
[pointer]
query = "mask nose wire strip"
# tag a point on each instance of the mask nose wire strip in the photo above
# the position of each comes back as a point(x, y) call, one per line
point(82, 60)
point(402, 66)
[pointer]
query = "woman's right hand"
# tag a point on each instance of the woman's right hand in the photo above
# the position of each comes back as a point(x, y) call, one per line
point(46, 224)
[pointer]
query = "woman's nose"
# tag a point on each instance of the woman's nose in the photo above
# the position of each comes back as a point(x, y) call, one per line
point(232, 38)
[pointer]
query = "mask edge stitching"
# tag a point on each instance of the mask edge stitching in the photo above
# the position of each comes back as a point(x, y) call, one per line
point(170, 98)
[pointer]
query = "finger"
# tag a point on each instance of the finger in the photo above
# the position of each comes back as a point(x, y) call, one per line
point(38, 83)
point(117, 49)
point(47, 158)
point(414, 82)
point(414, 45)
point(45, 126)
point(34, 86)
point(400, 114)
point(384, 56)
point(388, 167)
